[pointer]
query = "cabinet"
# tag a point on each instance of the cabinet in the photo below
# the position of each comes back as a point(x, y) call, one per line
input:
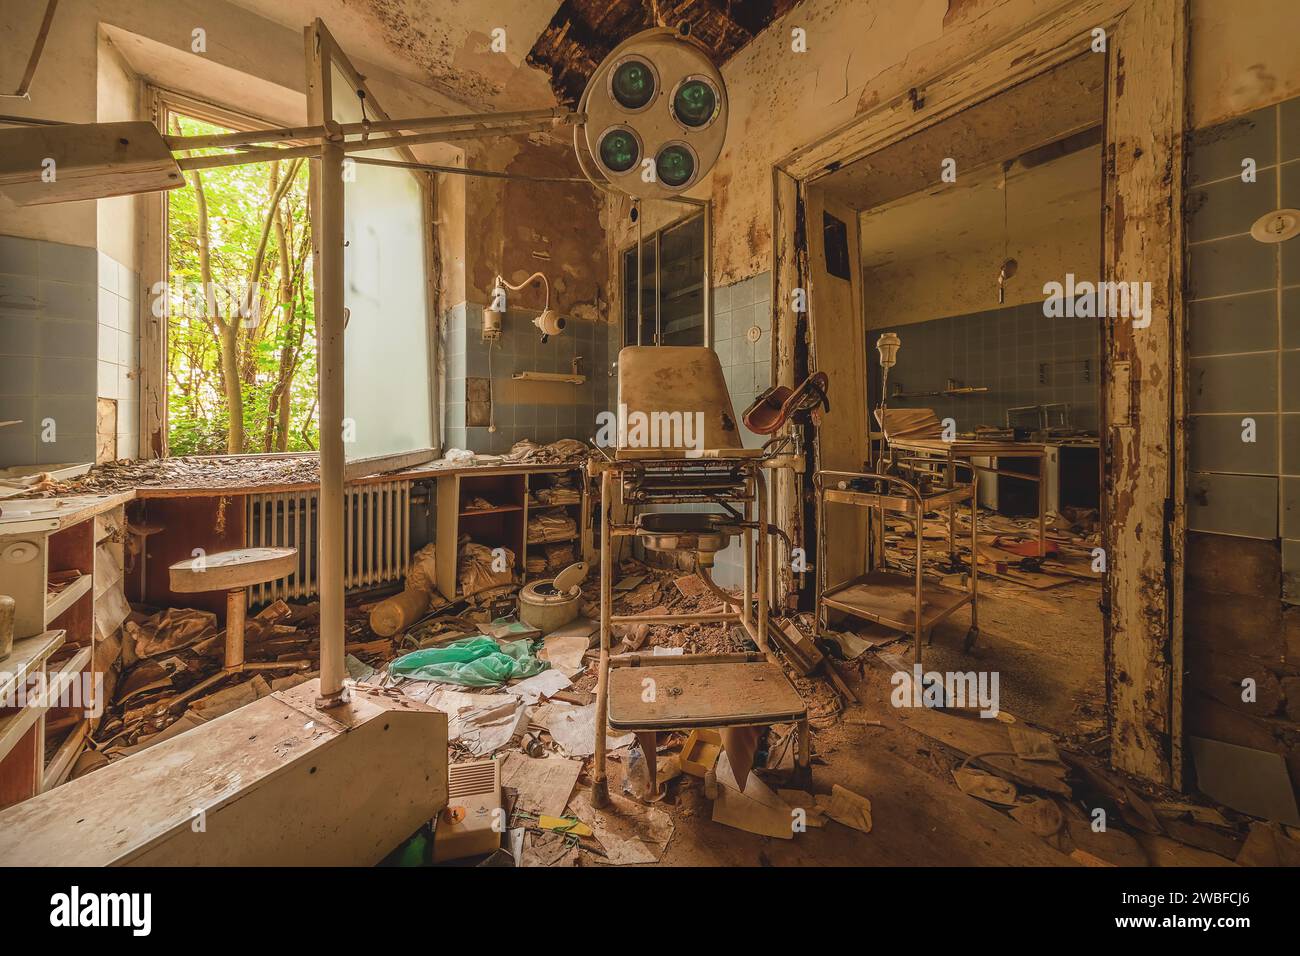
point(494, 507)
point(61, 561)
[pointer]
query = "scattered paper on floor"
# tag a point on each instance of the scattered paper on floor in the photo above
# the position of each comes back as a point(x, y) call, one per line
point(574, 730)
point(846, 807)
point(628, 831)
point(544, 783)
point(756, 808)
point(532, 689)
point(565, 652)
point(481, 723)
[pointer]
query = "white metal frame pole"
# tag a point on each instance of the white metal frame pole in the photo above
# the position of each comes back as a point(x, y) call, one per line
point(332, 458)
point(599, 782)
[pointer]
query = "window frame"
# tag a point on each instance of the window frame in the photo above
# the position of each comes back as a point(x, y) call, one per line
point(654, 242)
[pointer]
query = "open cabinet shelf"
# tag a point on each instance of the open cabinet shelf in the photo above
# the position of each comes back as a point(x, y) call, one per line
point(511, 497)
point(65, 576)
point(502, 522)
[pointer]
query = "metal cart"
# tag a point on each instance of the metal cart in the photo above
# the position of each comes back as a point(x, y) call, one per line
point(887, 596)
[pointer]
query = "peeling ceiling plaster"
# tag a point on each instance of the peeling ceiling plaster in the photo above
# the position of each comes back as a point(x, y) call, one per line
point(441, 44)
point(583, 32)
point(550, 47)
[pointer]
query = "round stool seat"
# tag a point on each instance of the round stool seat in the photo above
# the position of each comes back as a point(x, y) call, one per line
point(225, 570)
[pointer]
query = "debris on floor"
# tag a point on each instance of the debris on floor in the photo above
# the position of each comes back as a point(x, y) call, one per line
point(527, 700)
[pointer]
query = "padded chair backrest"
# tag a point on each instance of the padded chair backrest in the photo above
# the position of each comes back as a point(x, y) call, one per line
point(677, 380)
point(910, 423)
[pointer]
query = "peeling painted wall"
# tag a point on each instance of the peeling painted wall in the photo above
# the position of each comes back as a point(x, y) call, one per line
point(862, 52)
point(517, 227)
point(1243, 56)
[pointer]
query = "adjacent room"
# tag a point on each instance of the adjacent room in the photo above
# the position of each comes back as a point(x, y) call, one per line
point(555, 433)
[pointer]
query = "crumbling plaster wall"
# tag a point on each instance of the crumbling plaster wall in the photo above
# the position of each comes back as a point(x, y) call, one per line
point(517, 227)
point(864, 52)
point(859, 53)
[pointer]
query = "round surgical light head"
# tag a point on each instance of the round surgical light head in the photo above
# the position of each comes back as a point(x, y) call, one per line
point(695, 102)
point(619, 149)
point(675, 165)
point(632, 83)
point(655, 116)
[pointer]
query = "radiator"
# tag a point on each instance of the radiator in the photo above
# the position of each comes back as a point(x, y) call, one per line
point(376, 537)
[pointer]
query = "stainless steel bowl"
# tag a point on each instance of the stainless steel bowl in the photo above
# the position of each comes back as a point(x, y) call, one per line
point(684, 531)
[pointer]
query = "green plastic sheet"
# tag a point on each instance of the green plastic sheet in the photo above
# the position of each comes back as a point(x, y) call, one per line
point(470, 662)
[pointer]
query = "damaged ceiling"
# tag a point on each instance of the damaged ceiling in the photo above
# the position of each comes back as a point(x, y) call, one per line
point(583, 32)
point(445, 46)
point(550, 48)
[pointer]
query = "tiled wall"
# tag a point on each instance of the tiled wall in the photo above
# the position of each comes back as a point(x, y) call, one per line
point(1243, 497)
point(1244, 335)
point(1020, 355)
point(48, 347)
point(747, 365)
point(520, 349)
point(119, 349)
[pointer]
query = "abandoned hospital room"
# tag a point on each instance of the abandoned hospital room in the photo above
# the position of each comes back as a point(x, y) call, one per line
point(651, 433)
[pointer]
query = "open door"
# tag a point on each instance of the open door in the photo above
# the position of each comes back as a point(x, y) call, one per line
point(839, 350)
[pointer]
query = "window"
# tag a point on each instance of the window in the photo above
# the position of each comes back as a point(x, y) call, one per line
point(240, 345)
point(672, 287)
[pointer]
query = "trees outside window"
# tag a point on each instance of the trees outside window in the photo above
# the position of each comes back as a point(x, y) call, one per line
point(241, 322)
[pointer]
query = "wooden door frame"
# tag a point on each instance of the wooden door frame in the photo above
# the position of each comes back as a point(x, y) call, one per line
point(1143, 390)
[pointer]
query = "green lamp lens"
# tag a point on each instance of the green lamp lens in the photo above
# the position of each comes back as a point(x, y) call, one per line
point(618, 150)
point(675, 166)
point(695, 103)
point(633, 85)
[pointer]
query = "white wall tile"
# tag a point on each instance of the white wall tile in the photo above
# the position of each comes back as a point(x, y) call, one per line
point(107, 374)
point(107, 351)
point(126, 315)
point(107, 273)
point(108, 308)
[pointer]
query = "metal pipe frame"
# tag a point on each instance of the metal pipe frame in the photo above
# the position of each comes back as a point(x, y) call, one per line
point(423, 124)
point(271, 154)
point(917, 499)
point(333, 459)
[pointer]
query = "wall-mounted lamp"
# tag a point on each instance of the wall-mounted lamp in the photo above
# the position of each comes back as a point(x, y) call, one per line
point(548, 322)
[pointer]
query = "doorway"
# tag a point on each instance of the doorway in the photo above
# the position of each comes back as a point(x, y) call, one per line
point(955, 239)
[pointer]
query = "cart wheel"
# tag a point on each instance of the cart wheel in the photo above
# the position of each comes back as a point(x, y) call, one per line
point(971, 637)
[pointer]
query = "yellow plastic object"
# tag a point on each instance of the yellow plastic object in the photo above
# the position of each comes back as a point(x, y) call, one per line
point(564, 825)
point(701, 751)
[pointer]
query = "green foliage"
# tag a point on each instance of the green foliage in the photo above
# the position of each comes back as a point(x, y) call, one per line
point(271, 341)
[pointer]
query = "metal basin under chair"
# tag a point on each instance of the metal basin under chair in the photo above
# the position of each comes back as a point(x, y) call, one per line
point(734, 693)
